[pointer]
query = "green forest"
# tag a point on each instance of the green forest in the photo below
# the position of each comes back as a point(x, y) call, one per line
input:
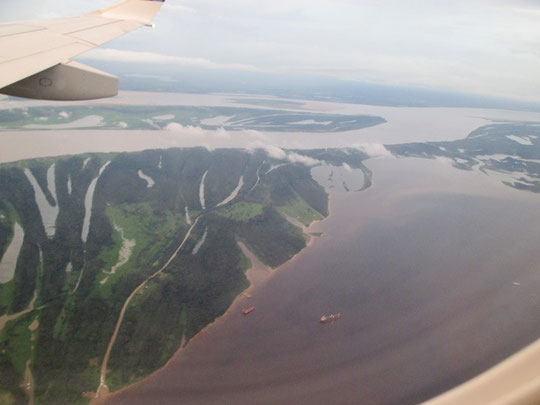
point(59, 310)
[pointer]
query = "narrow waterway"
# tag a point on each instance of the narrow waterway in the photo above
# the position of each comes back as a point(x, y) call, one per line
point(8, 262)
point(403, 125)
point(201, 191)
point(51, 181)
point(234, 193)
point(200, 243)
point(29, 382)
point(103, 389)
point(4, 319)
point(69, 185)
point(48, 212)
point(126, 250)
point(258, 176)
point(149, 180)
point(89, 201)
point(188, 217)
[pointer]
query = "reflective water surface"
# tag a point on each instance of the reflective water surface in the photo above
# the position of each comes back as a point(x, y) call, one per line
point(435, 272)
point(404, 124)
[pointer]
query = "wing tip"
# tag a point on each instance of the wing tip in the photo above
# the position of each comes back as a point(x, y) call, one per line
point(142, 11)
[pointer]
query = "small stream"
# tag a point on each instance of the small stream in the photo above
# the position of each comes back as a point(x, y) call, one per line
point(48, 212)
point(188, 217)
point(235, 192)
point(69, 185)
point(51, 181)
point(200, 243)
point(29, 382)
point(4, 319)
point(126, 250)
point(8, 262)
point(88, 203)
point(201, 191)
point(149, 180)
point(258, 176)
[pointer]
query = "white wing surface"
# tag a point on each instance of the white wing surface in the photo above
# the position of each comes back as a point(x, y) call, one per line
point(35, 56)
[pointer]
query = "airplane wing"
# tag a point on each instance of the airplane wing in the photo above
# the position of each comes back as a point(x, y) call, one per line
point(35, 57)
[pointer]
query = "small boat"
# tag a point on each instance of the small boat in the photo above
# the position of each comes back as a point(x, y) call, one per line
point(248, 310)
point(330, 318)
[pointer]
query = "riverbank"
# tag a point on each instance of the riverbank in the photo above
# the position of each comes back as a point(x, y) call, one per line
point(396, 275)
point(258, 274)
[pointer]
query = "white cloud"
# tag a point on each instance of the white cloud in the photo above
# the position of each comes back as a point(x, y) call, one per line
point(187, 130)
point(222, 133)
point(117, 55)
point(219, 136)
point(483, 46)
point(208, 147)
point(445, 160)
point(277, 153)
point(373, 149)
point(305, 160)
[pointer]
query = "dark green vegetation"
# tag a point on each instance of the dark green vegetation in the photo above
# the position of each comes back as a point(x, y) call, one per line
point(134, 230)
point(157, 118)
point(512, 150)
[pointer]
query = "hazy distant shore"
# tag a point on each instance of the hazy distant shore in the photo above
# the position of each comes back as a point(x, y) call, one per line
point(404, 125)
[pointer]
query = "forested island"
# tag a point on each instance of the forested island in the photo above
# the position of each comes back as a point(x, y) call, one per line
point(152, 118)
point(79, 235)
point(155, 236)
point(510, 151)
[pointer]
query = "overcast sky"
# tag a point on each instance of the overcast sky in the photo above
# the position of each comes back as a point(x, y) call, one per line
point(482, 46)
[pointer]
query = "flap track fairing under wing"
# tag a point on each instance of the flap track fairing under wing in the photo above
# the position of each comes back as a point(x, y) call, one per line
point(70, 81)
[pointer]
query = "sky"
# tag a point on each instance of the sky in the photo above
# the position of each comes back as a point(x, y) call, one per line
point(489, 47)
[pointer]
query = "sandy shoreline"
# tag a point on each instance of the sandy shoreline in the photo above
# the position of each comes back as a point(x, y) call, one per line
point(497, 385)
point(166, 379)
point(258, 274)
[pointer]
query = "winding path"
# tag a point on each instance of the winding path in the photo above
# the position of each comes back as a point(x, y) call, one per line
point(258, 177)
point(4, 319)
point(103, 389)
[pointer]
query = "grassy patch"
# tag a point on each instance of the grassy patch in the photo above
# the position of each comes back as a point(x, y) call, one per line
point(111, 254)
point(242, 211)
point(74, 329)
point(15, 339)
point(301, 211)
point(151, 233)
point(244, 262)
point(6, 398)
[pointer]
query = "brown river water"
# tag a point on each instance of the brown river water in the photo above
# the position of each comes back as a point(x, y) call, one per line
point(435, 271)
point(404, 124)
